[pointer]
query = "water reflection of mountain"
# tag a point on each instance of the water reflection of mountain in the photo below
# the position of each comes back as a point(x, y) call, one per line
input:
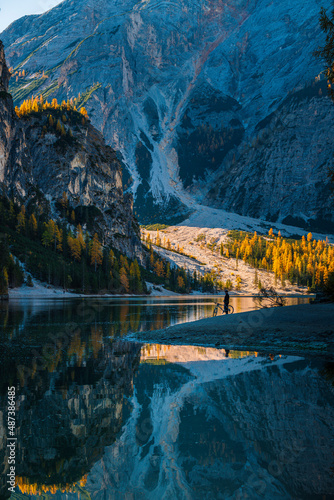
point(194, 423)
point(197, 432)
point(68, 408)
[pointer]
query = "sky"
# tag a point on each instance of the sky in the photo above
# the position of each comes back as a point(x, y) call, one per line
point(13, 9)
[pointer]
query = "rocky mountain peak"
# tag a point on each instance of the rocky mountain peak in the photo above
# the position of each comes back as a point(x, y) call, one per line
point(184, 90)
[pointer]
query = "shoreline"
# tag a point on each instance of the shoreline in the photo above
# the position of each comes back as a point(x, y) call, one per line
point(70, 295)
point(42, 291)
point(297, 329)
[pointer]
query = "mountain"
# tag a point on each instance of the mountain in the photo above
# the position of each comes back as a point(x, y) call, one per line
point(222, 429)
point(48, 152)
point(208, 101)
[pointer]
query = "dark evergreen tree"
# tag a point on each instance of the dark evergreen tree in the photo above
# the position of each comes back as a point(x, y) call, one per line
point(326, 53)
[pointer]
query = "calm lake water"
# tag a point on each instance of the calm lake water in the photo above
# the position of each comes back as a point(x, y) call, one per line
point(98, 417)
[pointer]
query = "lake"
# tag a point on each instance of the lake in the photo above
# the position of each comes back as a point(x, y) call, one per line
point(98, 417)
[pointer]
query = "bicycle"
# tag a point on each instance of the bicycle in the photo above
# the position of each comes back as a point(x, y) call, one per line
point(218, 306)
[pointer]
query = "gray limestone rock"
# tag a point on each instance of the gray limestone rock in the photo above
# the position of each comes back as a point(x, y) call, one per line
point(182, 89)
point(36, 162)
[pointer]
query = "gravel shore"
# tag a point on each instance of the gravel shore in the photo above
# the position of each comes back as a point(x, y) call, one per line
point(307, 328)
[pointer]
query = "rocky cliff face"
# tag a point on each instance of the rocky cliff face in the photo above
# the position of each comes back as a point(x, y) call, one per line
point(36, 162)
point(4, 71)
point(282, 175)
point(183, 89)
point(7, 120)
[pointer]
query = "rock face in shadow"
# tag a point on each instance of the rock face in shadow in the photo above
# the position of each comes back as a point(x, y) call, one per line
point(201, 97)
point(37, 165)
point(282, 175)
point(4, 71)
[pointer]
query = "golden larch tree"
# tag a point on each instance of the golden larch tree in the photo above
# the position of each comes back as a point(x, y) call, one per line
point(95, 253)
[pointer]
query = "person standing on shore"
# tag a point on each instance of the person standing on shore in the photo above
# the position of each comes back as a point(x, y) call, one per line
point(226, 301)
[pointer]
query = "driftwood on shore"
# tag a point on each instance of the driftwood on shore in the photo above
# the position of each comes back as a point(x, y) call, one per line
point(269, 298)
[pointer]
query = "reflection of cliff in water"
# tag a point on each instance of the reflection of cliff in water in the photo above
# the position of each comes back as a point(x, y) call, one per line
point(198, 424)
point(70, 405)
point(231, 428)
point(71, 374)
point(47, 318)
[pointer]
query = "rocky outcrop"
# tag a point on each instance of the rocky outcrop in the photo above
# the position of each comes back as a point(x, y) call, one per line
point(38, 164)
point(183, 89)
point(7, 120)
point(4, 71)
point(282, 175)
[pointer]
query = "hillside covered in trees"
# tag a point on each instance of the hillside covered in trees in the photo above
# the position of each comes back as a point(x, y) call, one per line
point(302, 262)
point(239, 259)
point(49, 148)
point(60, 252)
